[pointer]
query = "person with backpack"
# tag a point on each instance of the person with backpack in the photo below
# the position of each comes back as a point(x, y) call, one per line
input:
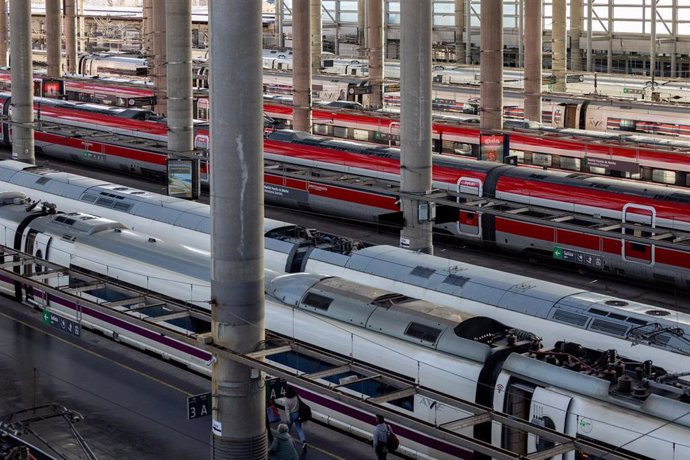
point(380, 437)
point(291, 402)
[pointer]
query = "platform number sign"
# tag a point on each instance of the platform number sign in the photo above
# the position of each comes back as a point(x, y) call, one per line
point(275, 388)
point(198, 406)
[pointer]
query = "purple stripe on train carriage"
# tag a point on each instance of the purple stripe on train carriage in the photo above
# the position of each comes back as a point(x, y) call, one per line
point(397, 429)
point(134, 329)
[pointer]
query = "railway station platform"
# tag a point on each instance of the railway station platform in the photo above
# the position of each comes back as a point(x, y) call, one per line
point(133, 405)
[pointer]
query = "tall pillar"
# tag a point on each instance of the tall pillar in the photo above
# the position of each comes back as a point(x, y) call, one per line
point(415, 122)
point(468, 30)
point(590, 14)
point(674, 37)
point(279, 23)
point(652, 44)
point(54, 38)
point(460, 31)
point(491, 65)
point(533, 59)
point(301, 59)
point(3, 33)
point(316, 36)
point(159, 58)
point(22, 82)
point(376, 44)
point(70, 27)
point(361, 23)
point(576, 14)
point(558, 46)
point(147, 36)
point(81, 28)
point(237, 220)
point(609, 45)
point(179, 47)
point(521, 33)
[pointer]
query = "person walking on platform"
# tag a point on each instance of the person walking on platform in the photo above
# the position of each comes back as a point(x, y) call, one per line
point(380, 438)
point(291, 402)
point(282, 447)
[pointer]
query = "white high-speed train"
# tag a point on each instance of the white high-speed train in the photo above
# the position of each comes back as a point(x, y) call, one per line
point(588, 394)
point(561, 313)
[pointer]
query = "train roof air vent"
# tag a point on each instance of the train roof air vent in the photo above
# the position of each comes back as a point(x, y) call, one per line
point(570, 318)
point(608, 327)
point(42, 180)
point(617, 303)
point(456, 280)
point(657, 313)
point(422, 272)
point(423, 332)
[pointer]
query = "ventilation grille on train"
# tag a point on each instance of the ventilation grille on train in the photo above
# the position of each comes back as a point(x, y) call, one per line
point(422, 272)
point(608, 327)
point(42, 180)
point(456, 280)
point(570, 318)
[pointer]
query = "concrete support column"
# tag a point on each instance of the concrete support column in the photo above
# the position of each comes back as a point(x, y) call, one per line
point(70, 28)
point(237, 222)
point(415, 121)
point(3, 33)
point(491, 65)
point(460, 31)
point(179, 46)
point(147, 35)
point(521, 33)
point(22, 82)
point(576, 8)
point(361, 23)
point(316, 36)
point(558, 46)
point(533, 59)
point(81, 28)
point(159, 58)
point(279, 23)
point(54, 38)
point(301, 59)
point(468, 31)
point(652, 44)
point(590, 17)
point(674, 37)
point(376, 44)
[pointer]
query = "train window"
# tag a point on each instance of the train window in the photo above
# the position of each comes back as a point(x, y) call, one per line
point(597, 170)
point(322, 130)
point(422, 272)
point(663, 176)
point(572, 164)
point(628, 125)
point(339, 131)
point(317, 301)
point(361, 134)
point(423, 332)
point(541, 159)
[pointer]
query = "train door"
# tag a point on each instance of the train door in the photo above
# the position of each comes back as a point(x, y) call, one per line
point(632, 251)
point(550, 410)
point(565, 116)
point(469, 221)
point(36, 244)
